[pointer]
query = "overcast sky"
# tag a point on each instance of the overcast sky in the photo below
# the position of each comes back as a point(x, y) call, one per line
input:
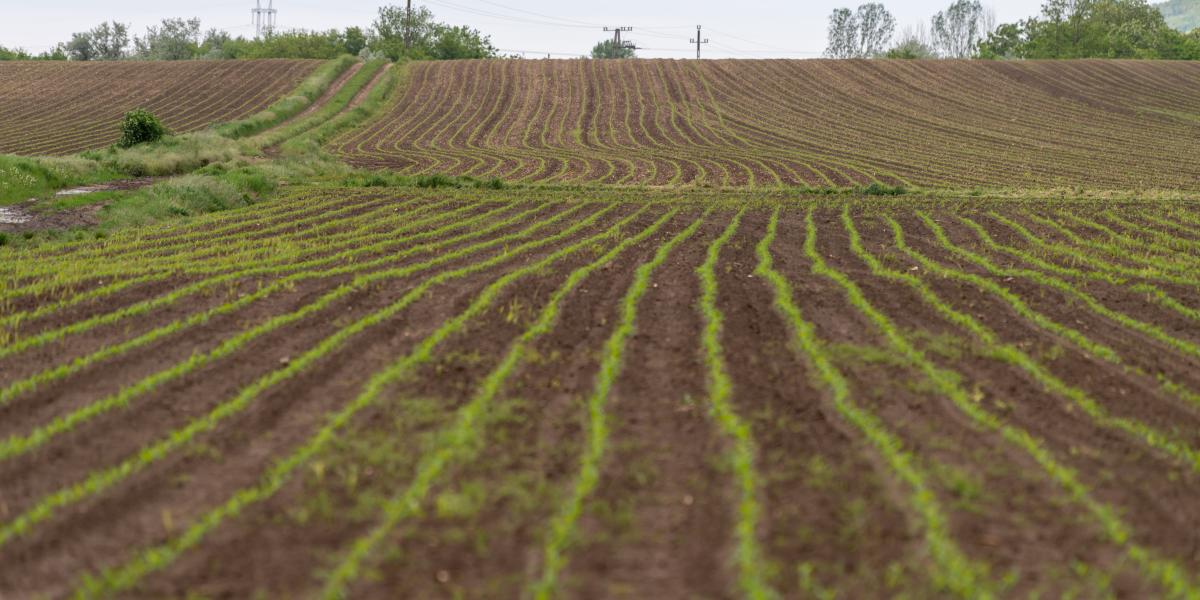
point(737, 29)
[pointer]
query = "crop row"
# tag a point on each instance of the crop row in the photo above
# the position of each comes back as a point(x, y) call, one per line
point(1026, 330)
point(63, 108)
point(771, 123)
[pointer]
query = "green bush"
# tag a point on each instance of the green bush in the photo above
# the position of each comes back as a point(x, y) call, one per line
point(878, 189)
point(140, 126)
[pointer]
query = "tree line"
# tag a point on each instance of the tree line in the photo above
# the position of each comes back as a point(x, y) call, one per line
point(966, 29)
point(396, 34)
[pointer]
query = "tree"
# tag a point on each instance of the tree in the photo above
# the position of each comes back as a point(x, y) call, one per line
point(913, 44)
point(860, 34)
point(1092, 29)
point(354, 40)
point(81, 47)
point(175, 39)
point(110, 41)
point(958, 30)
point(460, 42)
point(843, 34)
point(875, 28)
point(608, 49)
point(399, 34)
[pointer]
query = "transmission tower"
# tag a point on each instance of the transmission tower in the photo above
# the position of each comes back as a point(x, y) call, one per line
point(617, 44)
point(697, 41)
point(264, 18)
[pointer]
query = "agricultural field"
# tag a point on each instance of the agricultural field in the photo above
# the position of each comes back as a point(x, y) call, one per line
point(61, 108)
point(1118, 125)
point(609, 393)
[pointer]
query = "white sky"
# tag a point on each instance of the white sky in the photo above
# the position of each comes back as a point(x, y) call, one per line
point(737, 29)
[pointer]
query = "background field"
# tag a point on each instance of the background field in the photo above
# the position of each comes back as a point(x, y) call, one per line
point(59, 108)
point(1100, 124)
point(607, 395)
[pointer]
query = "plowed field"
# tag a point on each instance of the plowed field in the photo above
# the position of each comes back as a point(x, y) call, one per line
point(57, 108)
point(1027, 124)
point(427, 394)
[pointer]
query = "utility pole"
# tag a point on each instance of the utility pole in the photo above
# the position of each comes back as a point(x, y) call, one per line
point(617, 44)
point(264, 18)
point(698, 41)
point(408, 26)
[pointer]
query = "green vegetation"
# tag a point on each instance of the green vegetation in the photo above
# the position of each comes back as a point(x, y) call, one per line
point(456, 443)
point(743, 454)
point(1092, 29)
point(291, 105)
point(23, 178)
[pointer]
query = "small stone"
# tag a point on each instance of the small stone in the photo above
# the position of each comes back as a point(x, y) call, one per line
point(688, 500)
point(285, 360)
point(443, 576)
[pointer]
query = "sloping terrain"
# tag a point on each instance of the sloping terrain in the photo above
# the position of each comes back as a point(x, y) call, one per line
point(542, 394)
point(1183, 15)
point(59, 108)
point(1099, 124)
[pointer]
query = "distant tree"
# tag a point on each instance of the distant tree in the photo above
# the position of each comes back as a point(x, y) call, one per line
point(843, 34)
point(875, 29)
point(607, 49)
point(354, 40)
point(175, 39)
point(958, 30)
point(14, 54)
point(460, 42)
point(81, 47)
point(110, 41)
point(913, 44)
point(398, 34)
point(217, 44)
point(1092, 29)
point(864, 33)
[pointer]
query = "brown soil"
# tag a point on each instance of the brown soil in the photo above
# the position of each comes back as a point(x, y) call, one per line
point(663, 520)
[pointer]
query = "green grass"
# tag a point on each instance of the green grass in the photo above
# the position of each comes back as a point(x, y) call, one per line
point(285, 108)
point(23, 178)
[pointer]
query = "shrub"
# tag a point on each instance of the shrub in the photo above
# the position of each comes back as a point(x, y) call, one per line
point(878, 189)
point(140, 126)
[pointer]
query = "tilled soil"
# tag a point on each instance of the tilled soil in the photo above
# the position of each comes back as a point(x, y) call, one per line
point(449, 447)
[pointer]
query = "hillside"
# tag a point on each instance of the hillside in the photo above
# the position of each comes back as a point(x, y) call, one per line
point(1103, 124)
point(1183, 15)
point(66, 107)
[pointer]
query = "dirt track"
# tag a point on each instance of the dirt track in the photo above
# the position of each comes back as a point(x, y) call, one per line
point(1020, 416)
